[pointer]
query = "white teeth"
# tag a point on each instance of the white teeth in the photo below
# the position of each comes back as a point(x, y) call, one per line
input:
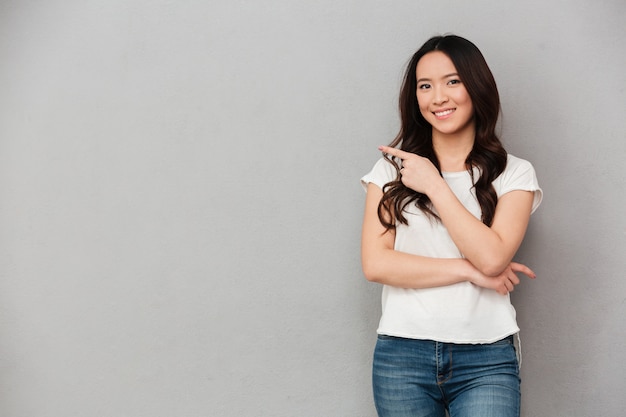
point(443, 113)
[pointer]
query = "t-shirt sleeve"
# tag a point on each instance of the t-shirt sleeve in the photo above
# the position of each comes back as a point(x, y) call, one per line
point(519, 175)
point(382, 173)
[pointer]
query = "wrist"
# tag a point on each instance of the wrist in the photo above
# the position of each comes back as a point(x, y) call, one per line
point(469, 273)
point(436, 188)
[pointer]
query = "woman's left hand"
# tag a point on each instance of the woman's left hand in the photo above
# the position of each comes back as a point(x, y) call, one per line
point(418, 173)
point(506, 281)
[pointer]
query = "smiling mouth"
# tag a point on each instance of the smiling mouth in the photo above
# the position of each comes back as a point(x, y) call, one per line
point(443, 113)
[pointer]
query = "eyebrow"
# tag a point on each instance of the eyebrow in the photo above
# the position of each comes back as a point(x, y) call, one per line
point(454, 74)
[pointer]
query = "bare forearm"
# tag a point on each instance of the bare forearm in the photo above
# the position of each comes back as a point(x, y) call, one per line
point(478, 243)
point(404, 270)
point(490, 249)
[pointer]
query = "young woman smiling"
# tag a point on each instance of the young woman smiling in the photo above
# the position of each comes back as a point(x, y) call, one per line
point(446, 210)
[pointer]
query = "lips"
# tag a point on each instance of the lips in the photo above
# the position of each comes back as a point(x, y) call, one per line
point(442, 114)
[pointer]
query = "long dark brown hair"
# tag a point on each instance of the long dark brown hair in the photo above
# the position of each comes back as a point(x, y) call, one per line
point(415, 135)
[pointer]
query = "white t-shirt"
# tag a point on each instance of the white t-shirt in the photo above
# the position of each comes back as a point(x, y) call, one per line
point(459, 313)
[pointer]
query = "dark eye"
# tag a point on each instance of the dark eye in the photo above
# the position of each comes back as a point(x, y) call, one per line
point(453, 82)
point(423, 86)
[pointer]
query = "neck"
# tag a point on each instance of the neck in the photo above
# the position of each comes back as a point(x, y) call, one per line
point(452, 150)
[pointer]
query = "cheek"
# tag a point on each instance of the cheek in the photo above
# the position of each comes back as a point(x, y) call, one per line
point(423, 108)
point(470, 107)
point(464, 98)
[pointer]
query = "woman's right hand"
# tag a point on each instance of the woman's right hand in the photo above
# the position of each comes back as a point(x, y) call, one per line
point(506, 281)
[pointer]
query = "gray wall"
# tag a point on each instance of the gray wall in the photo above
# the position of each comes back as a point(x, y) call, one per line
point(180, 207)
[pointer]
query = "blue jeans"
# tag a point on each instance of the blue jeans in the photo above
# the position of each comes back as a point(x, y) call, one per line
point(423, 378)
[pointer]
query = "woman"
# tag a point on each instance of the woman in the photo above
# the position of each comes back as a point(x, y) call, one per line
point(446, 211)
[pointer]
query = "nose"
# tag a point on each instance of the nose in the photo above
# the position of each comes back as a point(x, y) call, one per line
point(439, 97)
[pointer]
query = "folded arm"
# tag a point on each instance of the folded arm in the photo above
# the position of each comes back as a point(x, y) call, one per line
point(490, 249)
point(383, 264)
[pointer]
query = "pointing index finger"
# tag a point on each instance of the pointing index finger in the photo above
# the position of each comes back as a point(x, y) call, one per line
point(394, 152)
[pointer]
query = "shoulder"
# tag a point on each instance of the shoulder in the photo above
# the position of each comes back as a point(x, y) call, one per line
point(382, 173)
point(519, 174)
point(514, 163)
point(516, 168)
